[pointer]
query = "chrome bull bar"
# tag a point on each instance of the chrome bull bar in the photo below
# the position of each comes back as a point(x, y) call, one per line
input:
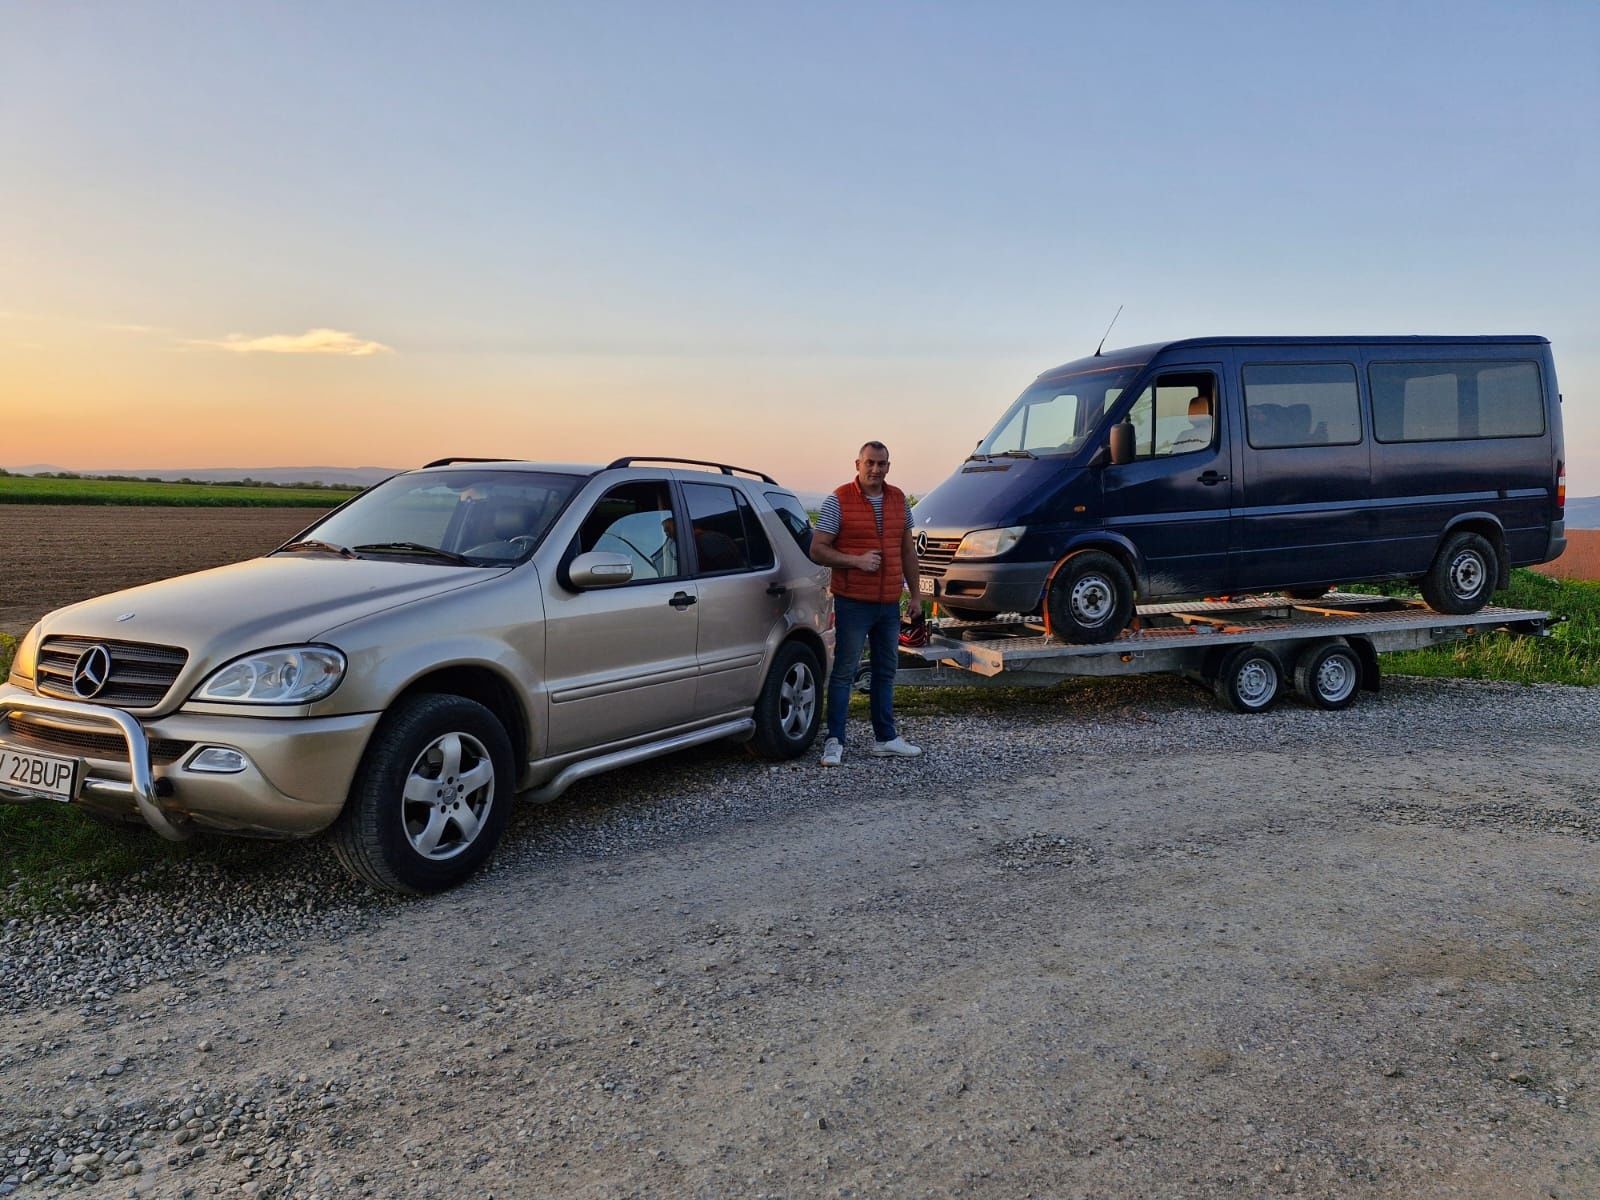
point(141, 789)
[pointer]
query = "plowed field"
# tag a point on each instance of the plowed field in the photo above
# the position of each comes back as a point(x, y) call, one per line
point(52, 555)
point(1582, 557)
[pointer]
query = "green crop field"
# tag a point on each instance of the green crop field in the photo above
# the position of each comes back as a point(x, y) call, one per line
point(32, 489)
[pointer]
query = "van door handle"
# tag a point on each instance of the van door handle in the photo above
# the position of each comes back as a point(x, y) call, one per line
point(1212, 478)
point(681, 601)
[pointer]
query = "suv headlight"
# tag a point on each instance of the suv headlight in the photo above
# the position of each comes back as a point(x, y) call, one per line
point(990, 543)
point(290, 675)
point(23, 664)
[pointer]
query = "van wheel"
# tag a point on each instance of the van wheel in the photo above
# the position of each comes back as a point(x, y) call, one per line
point(1328, 675)
point(1463, 575)
point(1090, 600)
point(1247, 679)
point(431, 797)
point(789, 709)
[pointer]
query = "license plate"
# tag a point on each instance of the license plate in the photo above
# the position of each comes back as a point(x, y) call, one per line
point(927, 586)
point(45, 775)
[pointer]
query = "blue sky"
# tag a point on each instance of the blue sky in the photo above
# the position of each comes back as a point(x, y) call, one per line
point(760, 232)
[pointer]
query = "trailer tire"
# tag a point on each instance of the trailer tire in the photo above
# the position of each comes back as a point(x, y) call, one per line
point(1463, 575)
point(1328, 675)
point(1248, 679)
point(1090, 599)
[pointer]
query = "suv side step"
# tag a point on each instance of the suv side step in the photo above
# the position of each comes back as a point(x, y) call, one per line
point(743, 727)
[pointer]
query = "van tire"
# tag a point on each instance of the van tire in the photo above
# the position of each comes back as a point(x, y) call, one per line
point(1328, 675)
point(1090, 599)
point(402, 796)
point(1463, 574)
point(1248, 679)
point(789, 709)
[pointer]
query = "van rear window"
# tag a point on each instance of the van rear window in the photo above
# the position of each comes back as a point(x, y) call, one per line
point(1452, 401)
point(1301, 404)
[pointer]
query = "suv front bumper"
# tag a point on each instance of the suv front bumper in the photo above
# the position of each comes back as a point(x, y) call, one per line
point(296, 773)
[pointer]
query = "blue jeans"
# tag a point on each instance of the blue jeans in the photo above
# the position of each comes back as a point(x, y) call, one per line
point(857, 623)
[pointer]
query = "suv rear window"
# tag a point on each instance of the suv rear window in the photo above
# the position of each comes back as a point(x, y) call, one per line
point(794, 517)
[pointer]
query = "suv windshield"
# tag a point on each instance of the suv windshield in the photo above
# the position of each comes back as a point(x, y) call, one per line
point(484, 518)
point(1057, 417)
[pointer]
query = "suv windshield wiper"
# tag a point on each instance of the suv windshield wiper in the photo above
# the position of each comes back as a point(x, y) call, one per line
point(417, 548)
point(313, 544)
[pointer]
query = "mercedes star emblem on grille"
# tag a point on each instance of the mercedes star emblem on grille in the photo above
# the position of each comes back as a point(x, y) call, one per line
point(91, 671)
point(922, 542)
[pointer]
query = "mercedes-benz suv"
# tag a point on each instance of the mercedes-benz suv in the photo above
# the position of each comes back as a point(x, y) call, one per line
point(398, 671)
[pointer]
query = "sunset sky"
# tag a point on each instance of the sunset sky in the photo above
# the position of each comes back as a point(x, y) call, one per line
point(269, 235)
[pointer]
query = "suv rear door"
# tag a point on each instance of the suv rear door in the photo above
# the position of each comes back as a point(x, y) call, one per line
point(621, 661)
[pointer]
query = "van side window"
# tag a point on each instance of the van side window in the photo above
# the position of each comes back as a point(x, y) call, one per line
point(1451, 401)
point(1301, 404)
point(1177, 415)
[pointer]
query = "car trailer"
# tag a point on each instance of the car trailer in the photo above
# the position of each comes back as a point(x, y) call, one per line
point(1246, 650)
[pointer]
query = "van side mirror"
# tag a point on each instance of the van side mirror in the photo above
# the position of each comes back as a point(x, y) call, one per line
point(1121, 443)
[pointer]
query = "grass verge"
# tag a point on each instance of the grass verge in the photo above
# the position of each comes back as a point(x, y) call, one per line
point(29, 489)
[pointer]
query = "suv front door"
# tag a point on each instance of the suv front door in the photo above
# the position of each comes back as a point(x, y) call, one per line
point(621, 661)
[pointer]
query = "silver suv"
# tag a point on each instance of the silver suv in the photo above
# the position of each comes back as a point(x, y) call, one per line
point(446, 639)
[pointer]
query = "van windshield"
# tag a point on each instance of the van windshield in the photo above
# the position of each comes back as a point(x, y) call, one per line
point(1058, 416)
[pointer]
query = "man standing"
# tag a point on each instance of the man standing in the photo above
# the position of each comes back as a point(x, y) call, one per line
point(864, 534)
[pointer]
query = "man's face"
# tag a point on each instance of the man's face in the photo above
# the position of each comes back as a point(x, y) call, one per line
point(872, 467)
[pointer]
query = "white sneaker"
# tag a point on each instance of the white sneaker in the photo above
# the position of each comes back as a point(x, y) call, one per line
point(832, 752)
point(898, 748)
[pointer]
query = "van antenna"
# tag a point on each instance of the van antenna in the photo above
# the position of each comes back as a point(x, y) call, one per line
point(1107, 333)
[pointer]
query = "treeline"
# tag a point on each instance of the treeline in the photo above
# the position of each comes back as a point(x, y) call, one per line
point(247, 481)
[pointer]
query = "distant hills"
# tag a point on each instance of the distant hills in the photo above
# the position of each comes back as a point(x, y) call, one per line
point(348, 476)
point(1583, 513)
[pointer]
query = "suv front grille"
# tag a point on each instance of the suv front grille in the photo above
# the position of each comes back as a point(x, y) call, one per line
point(936, 557)
point(141, 674)
point(27, 729)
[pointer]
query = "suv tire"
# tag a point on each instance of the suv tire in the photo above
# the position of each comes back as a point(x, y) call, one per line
point(431, 797)
point(789, 709)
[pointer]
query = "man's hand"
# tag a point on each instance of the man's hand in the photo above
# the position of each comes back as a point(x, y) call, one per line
point(870, 561)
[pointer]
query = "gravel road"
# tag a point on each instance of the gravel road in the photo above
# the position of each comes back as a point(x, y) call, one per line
point(1122, 944)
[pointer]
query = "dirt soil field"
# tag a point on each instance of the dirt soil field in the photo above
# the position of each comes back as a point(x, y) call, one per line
point(1139, 949)
point(55, 554)
point(1581, 560)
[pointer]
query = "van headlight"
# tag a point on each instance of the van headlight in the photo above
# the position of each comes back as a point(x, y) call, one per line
point(990, 543)
point(23, 664)
point(290, 675)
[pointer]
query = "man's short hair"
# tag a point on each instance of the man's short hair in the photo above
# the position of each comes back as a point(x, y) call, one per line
point(865, 446)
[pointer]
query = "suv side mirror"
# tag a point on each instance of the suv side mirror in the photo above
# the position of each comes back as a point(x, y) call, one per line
point(600, 568)
point(1121, 443)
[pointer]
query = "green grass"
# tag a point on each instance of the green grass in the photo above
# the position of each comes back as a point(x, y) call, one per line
point(30, 489)
point(1571, 654)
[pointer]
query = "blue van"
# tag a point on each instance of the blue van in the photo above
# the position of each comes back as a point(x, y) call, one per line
point(1215, 466)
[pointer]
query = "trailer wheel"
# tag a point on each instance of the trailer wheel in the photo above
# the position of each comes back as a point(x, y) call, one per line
point(1462, 576)
point(1090, 599)
point(1328, 675)
point(1248, 678)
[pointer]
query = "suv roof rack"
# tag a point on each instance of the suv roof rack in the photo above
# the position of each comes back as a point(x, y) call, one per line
point(696, 462)
point(445, 462)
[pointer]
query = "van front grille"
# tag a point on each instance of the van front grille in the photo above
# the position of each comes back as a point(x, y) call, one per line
point(140, 674)
point(58, 737)
point(933, 558)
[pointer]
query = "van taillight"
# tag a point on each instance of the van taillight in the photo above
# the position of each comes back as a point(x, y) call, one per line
point(1561, 488)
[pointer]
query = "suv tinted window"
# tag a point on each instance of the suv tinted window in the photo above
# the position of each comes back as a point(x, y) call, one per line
point(755, 536)
point(1450, 401)
point(635, 519)
point(794, 517)
point(717, 529)
point(1301, 404)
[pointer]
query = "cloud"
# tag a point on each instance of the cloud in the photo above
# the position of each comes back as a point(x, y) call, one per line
point(312, 341)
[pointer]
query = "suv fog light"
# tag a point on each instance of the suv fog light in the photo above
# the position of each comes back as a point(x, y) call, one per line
point(219, 760)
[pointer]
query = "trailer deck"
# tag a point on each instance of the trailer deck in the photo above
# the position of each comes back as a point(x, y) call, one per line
point(1016, 651)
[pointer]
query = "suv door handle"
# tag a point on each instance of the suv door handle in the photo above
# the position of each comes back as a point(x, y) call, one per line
point(1212, 478)
point(682, 601)
point(776, 589)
